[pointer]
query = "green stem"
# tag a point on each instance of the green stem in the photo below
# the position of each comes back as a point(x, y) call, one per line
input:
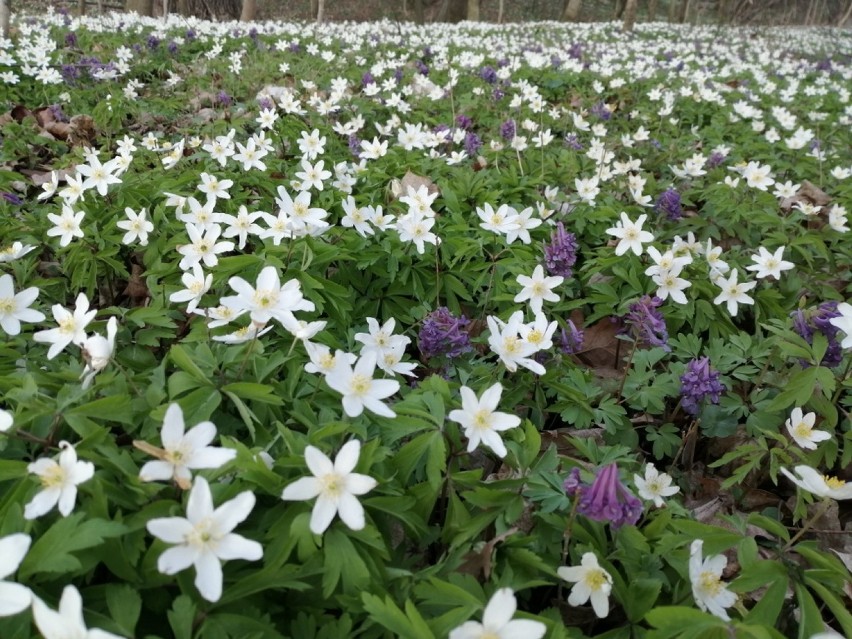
point(823, 507)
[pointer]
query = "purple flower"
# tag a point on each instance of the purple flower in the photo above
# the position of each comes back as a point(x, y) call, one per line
point(606, 500)
point(472, 143)
point(600, 111)
point(355, 145)
point(572, 142)
point(488, 74)
point(422, 67)
point(224, 99)
point(561, 254)
point(497, 95)
point(173, 47)
point(71, 40)
point(571, 341)
point(669, 203)
point(698, 383)
point(266, 103)
point(153, 42)
point(443, 334)
point(463, 122)
point(645, 323)
point(11, 198)
point(367, 78)
point(806, 323)
point(715, 160)
point(507, 130)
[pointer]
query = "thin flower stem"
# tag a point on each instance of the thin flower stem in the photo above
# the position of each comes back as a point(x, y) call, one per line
point(248, 354)
point(566, 538)
point(823, 507)
point(626, 370)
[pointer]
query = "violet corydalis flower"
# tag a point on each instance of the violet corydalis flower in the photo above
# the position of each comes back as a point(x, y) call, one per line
point(698, 383)
point(507, 130)
point(646, 324)
point(669, 203)
point(571, 340)
point(806, 323)
point(606, 499)
point(561, 254)
point(443, 334)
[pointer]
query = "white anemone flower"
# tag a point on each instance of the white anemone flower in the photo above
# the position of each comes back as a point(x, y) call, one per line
point(655, 485)
point(497, 622)
point(182, 451)
point(590, 582)
point(67, 622)
point(818, 484)
point(204, 538)
point(59, 482)
point(710, 592)
point(334, 485)
point(481, 421)
point(801, 429)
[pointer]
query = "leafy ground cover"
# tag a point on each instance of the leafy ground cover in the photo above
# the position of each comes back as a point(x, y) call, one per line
point(384, 330)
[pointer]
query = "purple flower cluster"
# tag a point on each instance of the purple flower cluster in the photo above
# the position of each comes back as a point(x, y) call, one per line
point(571, 341)
point(606, 499)
point(443, 334)
point(367, 78)
point(507, 130)
point(488, 74)
point(600, 111)
point(561, 254)
point(422, 67)
point(806, 323)
point(572, 142)
point(645, 323)
point(715, 160)
point(472, 143)
point(355, 145)
point(669, 203)
point(223, 99)
point(11, 198)
point(699, 382)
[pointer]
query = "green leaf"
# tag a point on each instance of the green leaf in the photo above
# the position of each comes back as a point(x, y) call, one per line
point(387, 614)
point(342, 560)
point(837, 607)
point(810, 622)
point(255, 392)
point(125, 605)
point(640, 597)
point(181, 359)
point(181, 617)
point(768, 609)
point(53, 551)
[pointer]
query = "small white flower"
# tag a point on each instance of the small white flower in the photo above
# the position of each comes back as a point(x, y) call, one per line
point(97, 351)
point(14, 598)
point(204, 538)
point(497, 622)
point(269, 299)
point(801, 429)
point(197, 284)
point(66, 225)
point(358, 387)
point(768, 264)
point(136, 225)
point(181, 451)
point(590, 582)
point(71, 329)
point(334, 485)
point(481, 421)
point(14, 307)
point(6, 420)
point(733, 293)
point(67, 622)
point(819, 484)
point(630, 235)
point(538, 288)
point(59, 482)
point(655, 485)
point(710, 592)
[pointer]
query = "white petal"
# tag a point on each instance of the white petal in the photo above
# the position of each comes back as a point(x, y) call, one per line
point(13, 598)
point(500, 609)
point(177, 558)
point(351, 511)
point(347, 458)
point(200, 435)
point(233, 546)
point(302, 489)
point(523, 629)
point(172, 530)
point(42, 503)
point(199, 506)
point(359, 484)
point(173, 427)
point(208, 576)
point(12, 551)
point(600, 603)
point(67, 499)
point(210, 457)
point(322, 514)
point(318, 463)
point(71, 608)
point(234, 511)
point(157, 470)
point(468, 630)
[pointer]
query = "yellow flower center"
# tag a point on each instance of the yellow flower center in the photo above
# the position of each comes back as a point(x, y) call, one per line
point(360, 384)
point(595, 579)
point(53, 477)
point(710, 583)
point(7, 305)
point(332, 485)
point(833, 482)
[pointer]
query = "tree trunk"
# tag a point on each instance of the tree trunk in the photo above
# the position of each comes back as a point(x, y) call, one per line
point(5, 13)
point(142, 7)
point(845, 16)
point(619, 9)
point(249, 10)
point(684, 11)
point(314, 9)
point(452, 11)
point(571, 10)
point(652, 10)
point(500, 8)
point(473, 10)
point(320, 11)
point(81, 7)
point(418, 11)
point(629, 15)
point(211, 9)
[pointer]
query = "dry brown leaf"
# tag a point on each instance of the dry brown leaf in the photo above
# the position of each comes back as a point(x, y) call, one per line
point(410, 180)
point(476, 562)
